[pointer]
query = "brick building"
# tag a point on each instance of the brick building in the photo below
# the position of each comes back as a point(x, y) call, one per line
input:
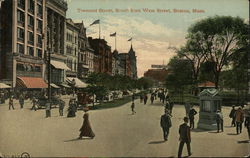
point(103, 55)
point(158, 75)
point(22, 48)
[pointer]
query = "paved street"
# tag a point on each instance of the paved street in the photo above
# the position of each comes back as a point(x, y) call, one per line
point(118, 133)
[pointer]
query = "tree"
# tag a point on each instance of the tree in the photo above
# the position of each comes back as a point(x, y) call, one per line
point(193, 51)
point(219, 38)
point(180, 74)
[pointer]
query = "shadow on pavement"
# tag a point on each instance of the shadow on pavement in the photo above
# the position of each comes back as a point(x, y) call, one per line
point(232, 134)
point(77, 139)
point(229, 127)
point(157, 142)
point(244, 141)
point(214, 132)
point(198, 130)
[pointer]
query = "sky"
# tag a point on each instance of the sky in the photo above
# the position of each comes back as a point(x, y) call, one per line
point(153, 33)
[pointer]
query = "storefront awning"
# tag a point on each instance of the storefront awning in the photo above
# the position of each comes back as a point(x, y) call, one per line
point(59, 65)
point(31, 82)
point(65, 85)
point(2, 86)
point(78, 82)
point(54, 85)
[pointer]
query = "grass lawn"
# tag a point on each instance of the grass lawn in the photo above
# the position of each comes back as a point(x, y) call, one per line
point(112, 104)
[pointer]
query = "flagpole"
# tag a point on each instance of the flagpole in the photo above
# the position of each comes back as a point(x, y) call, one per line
point(99, 30)
point(115, 42)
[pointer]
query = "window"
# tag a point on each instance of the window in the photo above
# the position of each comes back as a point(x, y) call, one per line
point(30, 37)
point(20, 48)
point(31, 6)
point(37, 69)
point(20, 17)
point(39, 53)
point(30, 51)
point(39, 25)
point(39, 11)
point(20, 34)
point(21, 4)
point(20, 67)
point(30, 21)
point(39, 40)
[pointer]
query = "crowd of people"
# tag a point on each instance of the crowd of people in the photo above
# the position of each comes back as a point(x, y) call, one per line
point(238, 115)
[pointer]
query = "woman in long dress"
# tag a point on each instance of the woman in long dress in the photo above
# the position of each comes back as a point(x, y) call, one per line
point(85, 130)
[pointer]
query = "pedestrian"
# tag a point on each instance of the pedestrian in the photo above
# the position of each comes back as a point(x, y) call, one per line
point(185, 137)
point(61, 107)
point(11, 103)
point(247, 123)
point(133, 97)
point(152, 98)
point(21, 100)
point(166, 124)
point(133, 108)
point(187, 108)
point(171, 106)
point(72, 108)
point(219, 121)
point(86, 130)
point(47, 109)
point(141, 98)
point(33, 103)
point(145, 99)
point(191, 115)
point(232, 116)
point(239, 118)
point(163, 98)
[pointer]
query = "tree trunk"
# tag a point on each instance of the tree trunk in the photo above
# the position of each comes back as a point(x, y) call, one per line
point(217, 78)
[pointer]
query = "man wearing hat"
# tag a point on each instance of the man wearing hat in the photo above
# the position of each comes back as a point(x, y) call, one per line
point(185, 137)
point(219, 121)
point(166, 124)
point(239, 118)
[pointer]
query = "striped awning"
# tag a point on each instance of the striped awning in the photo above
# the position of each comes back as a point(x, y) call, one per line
point(31, 82)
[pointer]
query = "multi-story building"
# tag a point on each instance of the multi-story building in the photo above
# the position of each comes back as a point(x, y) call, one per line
point(125, 65)
point(133, 63)
point(56, 39)
point(22, 47)
point(71, 47)
point(158, 75)
point(86, 53)
point(103, 55)
point(115, 63)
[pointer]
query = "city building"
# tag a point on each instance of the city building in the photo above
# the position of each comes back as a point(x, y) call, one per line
point(56, 39)
point(103, 55)
point(116, 67)
point(22, 48)
point(125, 64)
point(158, 75)
point(86, 53)
point(133, 63)
point(71, 47)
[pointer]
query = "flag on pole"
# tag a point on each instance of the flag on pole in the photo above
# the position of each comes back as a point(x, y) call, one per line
point(113, 34)
point(95, 22)
point(130, 39)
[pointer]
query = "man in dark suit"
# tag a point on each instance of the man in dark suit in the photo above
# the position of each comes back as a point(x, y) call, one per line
point(166, 124)
point(185, 137)
point(192, 112)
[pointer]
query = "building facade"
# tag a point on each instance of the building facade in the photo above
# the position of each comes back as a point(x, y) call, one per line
point(86, 53)
point(71, 47)
point(133, 63)
point(103, 55)
point(56, 38)
point(125, 66)
point(22, 47)
point(158, 75)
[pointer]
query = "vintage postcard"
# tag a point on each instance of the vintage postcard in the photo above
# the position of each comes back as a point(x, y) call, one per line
point(124, 78)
